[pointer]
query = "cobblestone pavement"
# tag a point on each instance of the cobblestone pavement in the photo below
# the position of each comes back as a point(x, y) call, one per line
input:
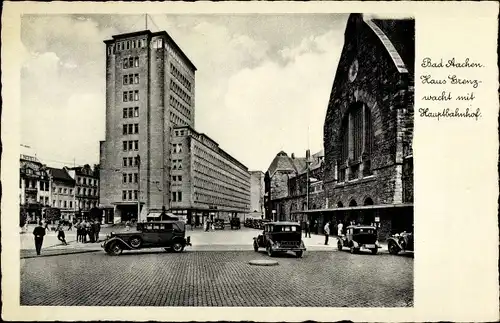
point(218, 278)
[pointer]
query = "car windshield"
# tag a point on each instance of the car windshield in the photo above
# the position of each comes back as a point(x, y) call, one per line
point(284, 228)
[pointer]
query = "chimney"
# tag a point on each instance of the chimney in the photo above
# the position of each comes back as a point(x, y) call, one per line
point(293, 156)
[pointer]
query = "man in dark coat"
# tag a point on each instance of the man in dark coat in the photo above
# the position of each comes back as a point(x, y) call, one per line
point(39, 233)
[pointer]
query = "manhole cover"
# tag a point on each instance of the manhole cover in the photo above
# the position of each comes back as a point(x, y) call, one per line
point(262, 262)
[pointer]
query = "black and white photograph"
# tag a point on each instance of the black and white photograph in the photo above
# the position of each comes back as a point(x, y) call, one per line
point(222, 160)
point(229, 161)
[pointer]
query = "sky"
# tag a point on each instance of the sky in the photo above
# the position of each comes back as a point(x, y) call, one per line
point(262, 85)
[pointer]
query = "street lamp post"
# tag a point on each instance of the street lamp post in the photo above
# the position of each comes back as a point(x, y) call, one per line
point(308, 162)
point(138, 187)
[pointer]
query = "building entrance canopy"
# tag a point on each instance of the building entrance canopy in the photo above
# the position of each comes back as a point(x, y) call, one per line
point(355, 208)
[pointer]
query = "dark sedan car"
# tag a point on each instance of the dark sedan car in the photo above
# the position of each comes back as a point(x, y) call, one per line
point(280, 237)
point(170, 235)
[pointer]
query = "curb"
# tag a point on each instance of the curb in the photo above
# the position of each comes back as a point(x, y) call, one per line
point(59, 254)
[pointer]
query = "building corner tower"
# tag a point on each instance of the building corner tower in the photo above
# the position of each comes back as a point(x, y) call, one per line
point(150, 89)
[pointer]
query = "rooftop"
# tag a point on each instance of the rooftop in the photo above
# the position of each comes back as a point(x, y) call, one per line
point(150, 34)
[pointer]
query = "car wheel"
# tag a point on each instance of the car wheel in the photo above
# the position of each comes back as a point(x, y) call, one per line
point(255, 247)
point(270, 252)
point(339, 245)
point(298, 254)
point(115, 249)
point(135, 242)
point(353, 250)
point(178, 247)
point(393, 248)
point(374, 251)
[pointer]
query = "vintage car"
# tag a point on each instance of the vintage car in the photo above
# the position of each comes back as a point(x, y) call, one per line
point(248, 223)
point(261, 223)
point(280, 237)
point(235, 223)
point(400, 242)
point(359, 237)
point(219, 224)
point(170, 235)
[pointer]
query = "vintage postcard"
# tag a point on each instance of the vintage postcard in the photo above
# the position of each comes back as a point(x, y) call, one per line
point(250, 161)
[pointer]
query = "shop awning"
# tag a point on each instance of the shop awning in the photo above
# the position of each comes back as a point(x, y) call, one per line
point(354, 208)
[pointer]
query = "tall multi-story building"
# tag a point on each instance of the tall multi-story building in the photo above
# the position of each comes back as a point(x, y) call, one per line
point(205, 180)
point(257, 192)
point(150, 89)
point(86, 191)
point(63, 196)
point(35, 190)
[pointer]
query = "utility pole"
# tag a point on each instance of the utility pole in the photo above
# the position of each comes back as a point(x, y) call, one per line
point(308, 161)
point(138, 187)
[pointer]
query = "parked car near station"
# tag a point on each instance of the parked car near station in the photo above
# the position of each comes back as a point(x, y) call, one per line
point(235, 223)
point(170, 235)
point(219, 224)
point(400, 242)
point(359, 237)
point(261, 223)
point(280, 237)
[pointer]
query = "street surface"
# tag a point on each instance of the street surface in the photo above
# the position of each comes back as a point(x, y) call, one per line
point(215, 272)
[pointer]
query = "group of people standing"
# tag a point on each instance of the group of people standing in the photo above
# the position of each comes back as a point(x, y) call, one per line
point(326, 229)
point(87, 228)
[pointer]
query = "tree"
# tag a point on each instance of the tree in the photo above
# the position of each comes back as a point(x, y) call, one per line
point(96, 214)
point(52, 214)
point(22, 219)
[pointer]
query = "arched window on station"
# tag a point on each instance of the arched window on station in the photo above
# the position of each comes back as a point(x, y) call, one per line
point(356, 143)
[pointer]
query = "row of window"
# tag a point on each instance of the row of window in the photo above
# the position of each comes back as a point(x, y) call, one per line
point(131, 128)
point(176, 57)
point(179, 133)
point(180, 92)
point(212, 199)
point(63, 204)
point(131, 112)
point(221, 189)
point(177, 178)
point(68, 191)
point(66, 204)
point(177, 196)
point(180, 107)
point(129, 96)
point(129, 178)
point(86, 192)
point(130, 79)
point(219, 177)
point(130, 44)
point(129, 145)
point(91, 181)
point(182, 79)
point(176, 120)
point(218, 164)
point(130, 62)
point(130, 161)
point(43, 200)
point(177, 164)
point(353, 172)
point(44, 186)
point(177, 148)
point(127, 195)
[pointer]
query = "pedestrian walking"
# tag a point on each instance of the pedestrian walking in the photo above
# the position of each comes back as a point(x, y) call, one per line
point(97, 230)
point(39, 233)
point(60, 234)
point(326, 230)
point(91, 231)
point(70, 226)
point(79, 231)
point(308, 228)
point(340, 226)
